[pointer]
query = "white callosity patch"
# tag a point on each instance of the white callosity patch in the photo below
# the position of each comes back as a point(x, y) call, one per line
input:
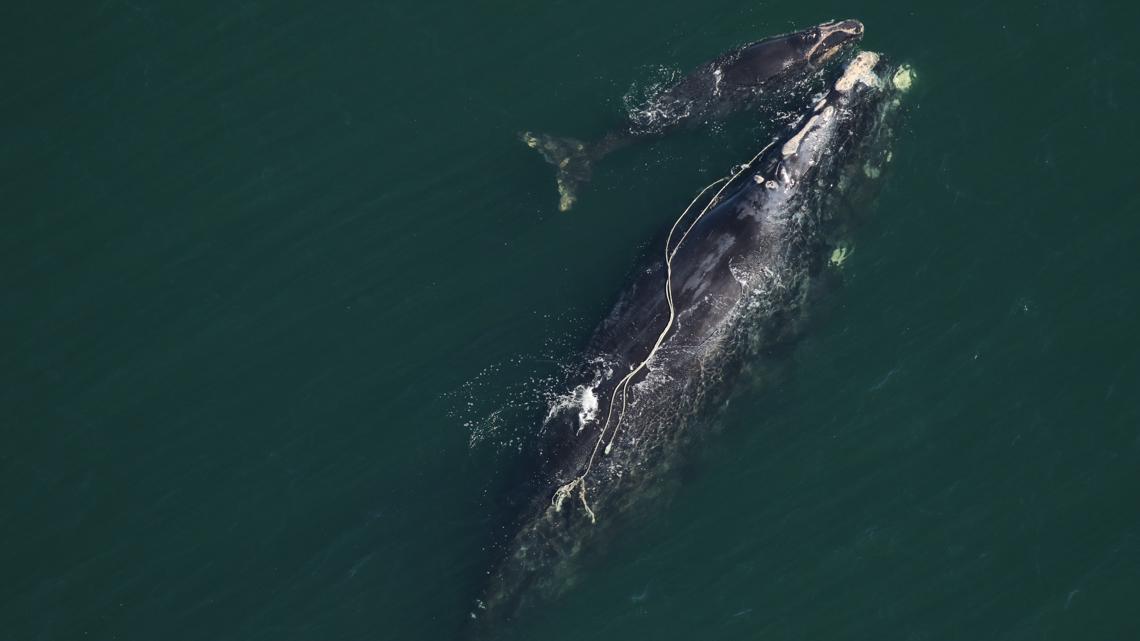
point(807, 142)
point(904, 77)
point(859, 71)
point(793, 145)
point(839, 255)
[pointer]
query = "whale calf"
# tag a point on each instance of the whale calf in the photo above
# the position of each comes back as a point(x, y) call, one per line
point(730, 281)
point(733, 81)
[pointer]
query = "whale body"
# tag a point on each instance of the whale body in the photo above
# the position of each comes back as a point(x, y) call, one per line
point(733, 81)
point(731, 281)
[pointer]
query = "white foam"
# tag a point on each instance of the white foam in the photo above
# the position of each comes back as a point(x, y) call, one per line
point(582, 400)
point(589, 407)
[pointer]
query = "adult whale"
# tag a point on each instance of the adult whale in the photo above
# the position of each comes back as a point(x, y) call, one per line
point(731, 281)
point(731, 82)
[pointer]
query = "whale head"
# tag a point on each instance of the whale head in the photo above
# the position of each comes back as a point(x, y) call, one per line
point(819, 44)
point(832, 163)
point(790, 57)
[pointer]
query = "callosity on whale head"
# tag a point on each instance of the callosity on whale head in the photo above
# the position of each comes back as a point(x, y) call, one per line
point(826, 40)
point(797, 203)
point(788, 56)
point(844, 143)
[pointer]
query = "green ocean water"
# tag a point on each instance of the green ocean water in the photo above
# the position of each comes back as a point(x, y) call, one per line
point(282, 292)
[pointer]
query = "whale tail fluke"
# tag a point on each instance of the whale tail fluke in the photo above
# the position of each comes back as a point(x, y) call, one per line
point(572, 163)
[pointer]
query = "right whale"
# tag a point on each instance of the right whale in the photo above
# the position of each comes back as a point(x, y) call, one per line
point(733, 81)
point(730, 283)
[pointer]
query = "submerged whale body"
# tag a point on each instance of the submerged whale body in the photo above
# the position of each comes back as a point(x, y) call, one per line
point(729, 283)
point(733, 81)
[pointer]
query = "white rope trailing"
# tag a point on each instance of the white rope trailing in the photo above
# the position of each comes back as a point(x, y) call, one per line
point(579, 482)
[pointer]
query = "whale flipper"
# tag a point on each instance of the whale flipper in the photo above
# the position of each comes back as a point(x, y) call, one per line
point(572, 163)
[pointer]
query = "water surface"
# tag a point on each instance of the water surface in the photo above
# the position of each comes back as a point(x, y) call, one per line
point(259, 256)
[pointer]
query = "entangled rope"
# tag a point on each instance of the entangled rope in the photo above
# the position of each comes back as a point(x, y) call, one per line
point(579, 482)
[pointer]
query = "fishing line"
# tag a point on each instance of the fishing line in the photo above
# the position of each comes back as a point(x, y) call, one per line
point(579, 482)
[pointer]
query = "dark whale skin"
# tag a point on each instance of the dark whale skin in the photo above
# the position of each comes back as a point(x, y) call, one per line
point(738, 276)
point(732, 82)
